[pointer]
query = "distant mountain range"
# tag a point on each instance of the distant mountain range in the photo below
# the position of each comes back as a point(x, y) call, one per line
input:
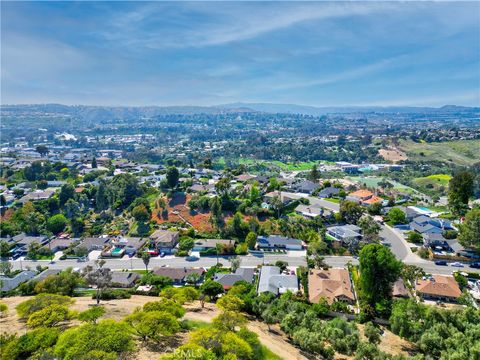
point(99, 113)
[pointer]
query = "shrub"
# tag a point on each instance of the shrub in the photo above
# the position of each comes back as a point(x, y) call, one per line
point(39, 302)
point(112, 294)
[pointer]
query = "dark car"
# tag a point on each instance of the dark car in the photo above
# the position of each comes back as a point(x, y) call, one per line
point(475, 265)
point(441, 262)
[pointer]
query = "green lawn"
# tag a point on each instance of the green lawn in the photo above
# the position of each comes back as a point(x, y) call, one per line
point(332, 200)
point(432, 182)
point(372, 182)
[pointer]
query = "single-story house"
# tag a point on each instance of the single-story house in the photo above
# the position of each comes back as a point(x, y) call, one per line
point(305, 187)
point(178, 275)
point(285, 199)
point(124, 279)
point(208, 244)
point(360, 195)
point(58, 244)
point(94, 243)
point(164, 240)
point(345, 234)
point(328, 192)
point(241, 274)
point(273, 281)
point(10, 283)
point(438, 287)
point(309, 211)
point(22, 242)
point(332, 284)
point(245, 177)
point(278, 242)
point(37, 195)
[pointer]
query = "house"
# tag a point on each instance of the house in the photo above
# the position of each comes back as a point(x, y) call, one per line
point(44, 274)
point(37, 195)
point(278, 242)
point(244, 177)
point(438, 288)
point(332, 284)
point(10, 283)
point(164, 240)
point(328, 192)
point(273, 281)
point(309, 211)
point(121, 246)
point(22, 242)
point(364, 197)
point(305, 187)
point(345, 234)
point(94, 243)
point(58, 244)
point(399, 290)
point(211, 244)
point(179, 275)
point(124, 279)
point(241, 274)
point(285, 199)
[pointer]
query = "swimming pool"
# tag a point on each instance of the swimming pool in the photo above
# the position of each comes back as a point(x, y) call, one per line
point(116, 251)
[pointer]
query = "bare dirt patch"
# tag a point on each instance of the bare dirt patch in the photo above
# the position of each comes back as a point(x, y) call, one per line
point(393, 154)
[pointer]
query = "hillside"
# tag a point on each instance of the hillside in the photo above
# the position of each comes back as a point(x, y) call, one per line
point(462, 152)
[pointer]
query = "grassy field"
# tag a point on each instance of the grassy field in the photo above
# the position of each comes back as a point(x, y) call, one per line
point(433, 182)
point(461, 152)
point(290, 166)
point(372, 182)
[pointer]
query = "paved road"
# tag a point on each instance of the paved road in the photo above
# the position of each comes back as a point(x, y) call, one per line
point(136, 263)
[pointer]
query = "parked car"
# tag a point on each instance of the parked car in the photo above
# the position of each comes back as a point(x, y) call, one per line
point(162, 254)
point(441, 262)
point(475, 265)
point(457, 264)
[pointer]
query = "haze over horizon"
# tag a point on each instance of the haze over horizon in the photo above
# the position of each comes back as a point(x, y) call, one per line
point(208, 54)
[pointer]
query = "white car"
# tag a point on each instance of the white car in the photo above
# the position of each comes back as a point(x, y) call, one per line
point(457, 264)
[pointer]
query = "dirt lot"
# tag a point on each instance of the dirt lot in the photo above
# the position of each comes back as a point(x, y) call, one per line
point(392, 154)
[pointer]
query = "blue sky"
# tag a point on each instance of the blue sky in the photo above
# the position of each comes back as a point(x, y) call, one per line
point(207, 53)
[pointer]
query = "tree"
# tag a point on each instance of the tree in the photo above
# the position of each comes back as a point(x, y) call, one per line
point(108, 336)
point(146, 259)
point(153, 325)
point(460, 189)
point(92, 315)
point(211, 289)
point(230, 303)
point(372, 333)
point(414, 237)
point(63, 283)
point(42, 150)
point(98, 276)
point(269, 317)
point(251, 240)
point(49, 316)
point(314, 175)
point(235, 263)
point(350, 211)
point(6, 268)
point(101, 200)
point(370, 228)
point(282, 265)
point(397, 216)
point(140, 213)
point(56, 223)
point(172, 177)
point(94, 162)
point(469, 235)
point(39, 302)
point(375, 208)
point(67, 191)
point(412, 273)
point(379, 269)
point(165, 305)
